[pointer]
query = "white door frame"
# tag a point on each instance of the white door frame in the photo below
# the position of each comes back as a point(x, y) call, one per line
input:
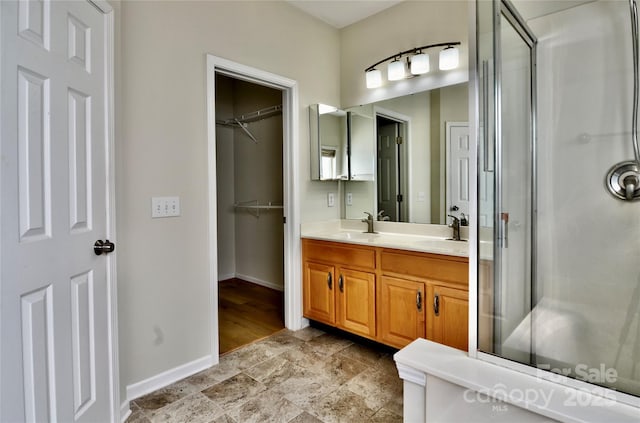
point(292, 268)
point(112, 282)
point(447, 171)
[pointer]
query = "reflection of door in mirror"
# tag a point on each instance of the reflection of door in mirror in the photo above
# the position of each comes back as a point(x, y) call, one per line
point(389, 178)
point(457, 181)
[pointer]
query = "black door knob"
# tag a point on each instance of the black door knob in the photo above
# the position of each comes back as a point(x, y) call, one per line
point(103, 247)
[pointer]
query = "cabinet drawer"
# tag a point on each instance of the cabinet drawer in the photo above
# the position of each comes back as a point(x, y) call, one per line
point(333, 252)
point(425, 266)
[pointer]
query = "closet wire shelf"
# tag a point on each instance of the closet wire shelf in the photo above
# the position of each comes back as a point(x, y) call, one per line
point(254, 207)
point(243, 120)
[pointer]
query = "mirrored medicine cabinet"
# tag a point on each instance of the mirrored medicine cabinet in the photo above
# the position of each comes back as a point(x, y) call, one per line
point(342, 146)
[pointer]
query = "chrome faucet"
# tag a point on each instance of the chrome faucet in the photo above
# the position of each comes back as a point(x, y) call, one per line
point(456, 227)
point(369, 221)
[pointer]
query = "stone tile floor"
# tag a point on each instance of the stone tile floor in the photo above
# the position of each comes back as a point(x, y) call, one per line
point(307, 376)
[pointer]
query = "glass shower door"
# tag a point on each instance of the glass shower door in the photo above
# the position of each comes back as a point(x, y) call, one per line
point(559, 284)
point(506, 188)
point(514, 192)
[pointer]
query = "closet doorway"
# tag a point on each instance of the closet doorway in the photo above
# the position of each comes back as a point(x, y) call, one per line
point(250, 231)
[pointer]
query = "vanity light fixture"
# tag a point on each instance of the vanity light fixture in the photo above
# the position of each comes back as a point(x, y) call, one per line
point(417, 63)
point(395, 70)
point(449, 58)
point(374, 78)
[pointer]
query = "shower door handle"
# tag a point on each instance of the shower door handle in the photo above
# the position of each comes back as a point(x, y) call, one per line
point(485, 116)
point(504, 220)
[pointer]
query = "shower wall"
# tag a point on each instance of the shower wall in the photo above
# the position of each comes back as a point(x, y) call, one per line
point(249, 247)
point(588, 246)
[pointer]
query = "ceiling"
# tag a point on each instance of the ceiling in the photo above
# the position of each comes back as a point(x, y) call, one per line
point(341, 13)
point(529, 9)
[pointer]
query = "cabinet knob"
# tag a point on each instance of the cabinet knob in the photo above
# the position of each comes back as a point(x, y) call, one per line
point(419, 300)
point(436, 305)
point(329, 280)
point(341, 283)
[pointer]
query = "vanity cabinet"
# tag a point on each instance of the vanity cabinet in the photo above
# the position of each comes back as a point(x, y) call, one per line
point(390, 296)
point(444, 304)
point(339, 286)
point(318, 292)
point(449, 316)
point(401, 311)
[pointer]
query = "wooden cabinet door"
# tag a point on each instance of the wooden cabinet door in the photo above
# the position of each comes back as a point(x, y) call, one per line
point(355, 302)
point(401, 311)
point(448, 321)
point(318, 292)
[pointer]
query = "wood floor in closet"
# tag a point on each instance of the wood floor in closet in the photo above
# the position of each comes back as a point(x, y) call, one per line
point(247, 312)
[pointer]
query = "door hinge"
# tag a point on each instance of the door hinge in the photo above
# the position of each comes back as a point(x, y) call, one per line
point(284, 219)
point(399, 140)
point(399, 198)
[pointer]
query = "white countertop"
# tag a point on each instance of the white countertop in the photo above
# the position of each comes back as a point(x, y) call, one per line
point(404, 236)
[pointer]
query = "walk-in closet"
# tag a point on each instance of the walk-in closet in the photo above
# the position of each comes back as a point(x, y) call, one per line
point(249, 172)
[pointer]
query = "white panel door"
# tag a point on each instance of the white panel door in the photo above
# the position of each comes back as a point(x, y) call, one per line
point(54, 312)
point(457, 139)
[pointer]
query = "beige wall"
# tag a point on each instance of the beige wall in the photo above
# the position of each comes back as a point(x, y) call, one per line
point(161, 146)
point(163, 264)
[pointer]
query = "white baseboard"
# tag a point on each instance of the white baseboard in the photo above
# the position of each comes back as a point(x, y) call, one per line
point(226, 277)
point(168, 377)
point(260, 282)
point(125, 411)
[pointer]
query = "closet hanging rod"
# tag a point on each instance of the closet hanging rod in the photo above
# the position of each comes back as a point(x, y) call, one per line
point(254, 206)
point(254, 116)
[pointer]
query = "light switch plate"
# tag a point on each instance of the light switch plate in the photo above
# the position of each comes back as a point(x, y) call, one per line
point(331, 199)
point(165, 207)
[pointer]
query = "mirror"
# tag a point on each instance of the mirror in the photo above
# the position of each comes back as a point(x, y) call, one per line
point(420, 147)
point(329, 142)
point(336, 154)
